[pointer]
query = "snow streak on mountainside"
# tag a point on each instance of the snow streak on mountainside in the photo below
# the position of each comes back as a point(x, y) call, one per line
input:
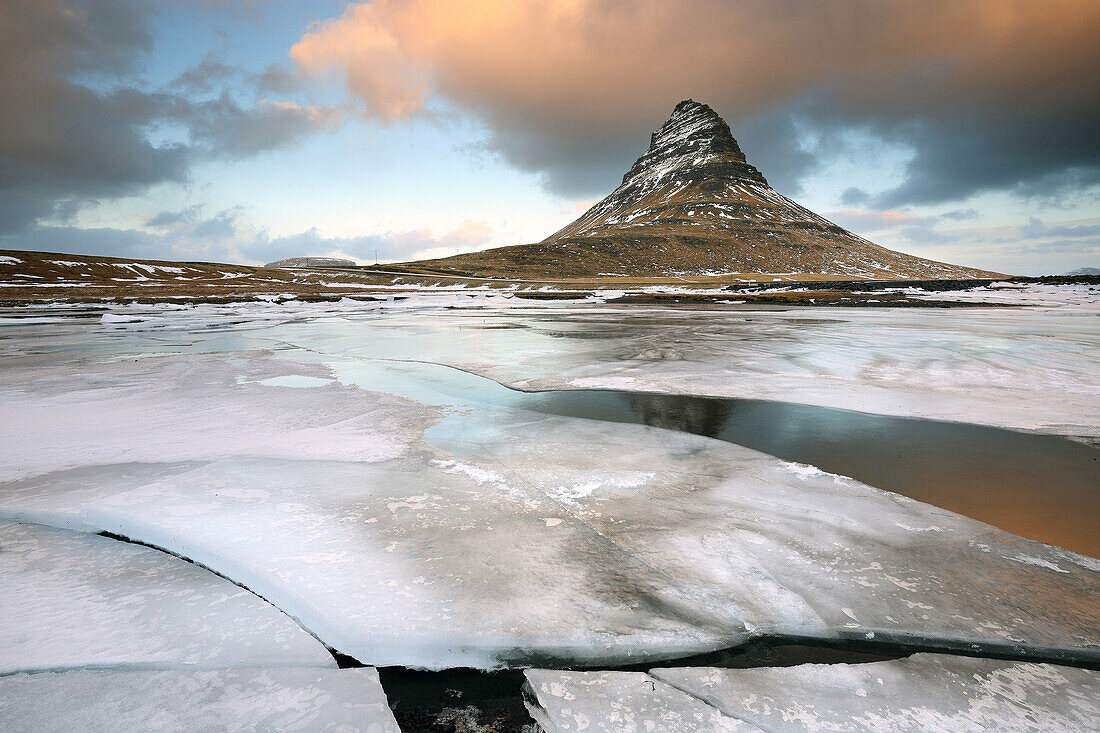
point(692, 204)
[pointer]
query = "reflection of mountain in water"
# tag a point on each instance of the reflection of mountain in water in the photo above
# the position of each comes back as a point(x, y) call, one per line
point(697, 415)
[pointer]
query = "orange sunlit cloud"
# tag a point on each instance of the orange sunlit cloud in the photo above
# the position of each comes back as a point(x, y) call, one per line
point(611, 60)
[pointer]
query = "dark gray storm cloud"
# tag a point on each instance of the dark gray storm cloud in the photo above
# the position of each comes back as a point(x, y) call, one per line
point(1000, 148)
point(75, 123)
point(60, 141)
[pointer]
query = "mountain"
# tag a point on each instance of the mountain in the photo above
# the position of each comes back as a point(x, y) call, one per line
point(692, 204)
point(1085, 271)
point(311, 262)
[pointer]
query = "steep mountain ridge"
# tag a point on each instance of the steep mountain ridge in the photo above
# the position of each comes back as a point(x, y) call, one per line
point(693, 204)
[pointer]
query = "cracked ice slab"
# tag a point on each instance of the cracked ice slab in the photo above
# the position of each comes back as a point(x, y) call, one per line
point(779, 548)
point(393, 564)
point(920, 693)
point(284, 699)
point(72, 599)
point(589, 544)
point(619, 702)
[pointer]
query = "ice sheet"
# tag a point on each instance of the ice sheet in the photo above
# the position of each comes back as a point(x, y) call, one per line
point(619, 702)
point(219, 700)
point(1030, 368)
point(589, 541)
point(72, 599)
point(201, 406)
point(386, 510)
point(394, 564)
point(924, 692)
point(1080, 295)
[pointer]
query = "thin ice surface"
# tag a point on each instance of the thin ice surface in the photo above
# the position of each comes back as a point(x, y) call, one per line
point(216, 700)
point(199, 407)
point(72, 599)
point(619, 702)
point(1032, 369)
point(1028, 368)
point(924, 692)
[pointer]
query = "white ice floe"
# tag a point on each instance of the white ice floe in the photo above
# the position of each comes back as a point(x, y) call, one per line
point(120, 318)
point(925, 692)
point(1078, 296)
point(158, 410)
point(620, 702)
point(72, 599)
point(253, 699)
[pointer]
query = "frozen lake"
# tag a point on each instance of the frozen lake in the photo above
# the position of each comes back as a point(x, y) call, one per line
point(452, 481)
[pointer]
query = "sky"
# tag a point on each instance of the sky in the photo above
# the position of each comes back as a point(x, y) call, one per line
point(252, 130)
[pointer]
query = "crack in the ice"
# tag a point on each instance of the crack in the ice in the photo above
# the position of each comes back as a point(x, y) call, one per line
point(711, 705)
point(337, 655)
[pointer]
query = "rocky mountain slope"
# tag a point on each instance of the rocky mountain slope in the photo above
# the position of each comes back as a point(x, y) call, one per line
point(693, 204)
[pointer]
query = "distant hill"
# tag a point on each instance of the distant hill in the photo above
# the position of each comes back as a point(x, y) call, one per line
point(691, 205)
point(311, 262)
point(1085, 271)
point(33, 276)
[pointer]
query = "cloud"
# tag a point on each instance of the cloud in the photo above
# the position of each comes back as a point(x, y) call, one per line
point(854, 196)
point(1035, 246)
point(877, 221)
point(228, 236)
point(1036, 228)
point(989, 95)
point(61, 141)
point(106, 241)
point(76, 126)
point(212, 74)
point(959, 214)
point(389, 246)
point(223, 128)
point(173, 218)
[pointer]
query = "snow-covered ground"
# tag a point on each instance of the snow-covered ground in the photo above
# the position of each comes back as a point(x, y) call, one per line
point(326, 457)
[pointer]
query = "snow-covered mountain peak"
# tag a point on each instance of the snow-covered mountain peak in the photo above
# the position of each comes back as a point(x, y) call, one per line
point(692, 141)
